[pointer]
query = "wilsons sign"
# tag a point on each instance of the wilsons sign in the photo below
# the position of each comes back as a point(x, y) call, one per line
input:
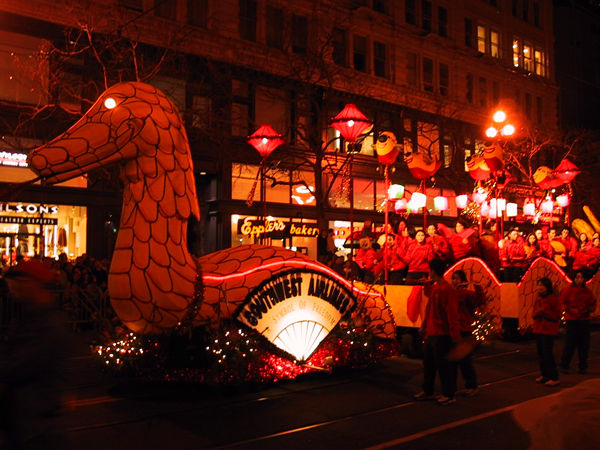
point(296, 310)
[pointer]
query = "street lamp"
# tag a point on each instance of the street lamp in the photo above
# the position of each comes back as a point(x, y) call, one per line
point(350, 123)
point(264, 140)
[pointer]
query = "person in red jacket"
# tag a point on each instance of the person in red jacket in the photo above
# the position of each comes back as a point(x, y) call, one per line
point(594, 252)
point(441, 247)
point(418, 256)
point(579, 304)
point(468, 302)
point(512, 257)
point(546, 321)
point(440, 330)
point(570, 244)
point(545, 246)
point(365, 260)
point(391, 256)
point(532, 249)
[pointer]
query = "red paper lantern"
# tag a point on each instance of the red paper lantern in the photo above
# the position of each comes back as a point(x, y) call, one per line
point(350, 122)
point(566, 171)
point(265, 140)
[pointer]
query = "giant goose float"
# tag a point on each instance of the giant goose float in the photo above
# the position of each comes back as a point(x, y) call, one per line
point(154, 283)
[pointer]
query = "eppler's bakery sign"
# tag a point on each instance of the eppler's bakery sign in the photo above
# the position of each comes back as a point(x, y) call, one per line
point(296, 310)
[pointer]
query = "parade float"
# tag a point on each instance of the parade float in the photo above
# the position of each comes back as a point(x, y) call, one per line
point(253, 312)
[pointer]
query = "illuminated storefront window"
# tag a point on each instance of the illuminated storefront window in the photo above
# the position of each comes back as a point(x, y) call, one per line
point(293, 233)
point(31, 229)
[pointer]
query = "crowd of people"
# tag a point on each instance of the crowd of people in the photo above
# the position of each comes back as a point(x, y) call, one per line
point(403, 254)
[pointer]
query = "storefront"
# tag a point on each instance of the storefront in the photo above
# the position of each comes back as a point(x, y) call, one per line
point(31, 229)
point(45, 225)
point(293, 233)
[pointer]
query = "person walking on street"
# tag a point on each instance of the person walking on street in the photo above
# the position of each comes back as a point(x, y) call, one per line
point(468, 302)
point(546, 320)
point(579, 304)
point(440, 329)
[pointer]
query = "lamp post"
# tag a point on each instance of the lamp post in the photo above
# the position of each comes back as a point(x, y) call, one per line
point(498, 132)
point(264, 140)
point(350, 122)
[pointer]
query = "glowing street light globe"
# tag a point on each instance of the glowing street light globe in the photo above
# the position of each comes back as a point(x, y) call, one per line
point(499, 116)
point(508, 130)
point(491, 132)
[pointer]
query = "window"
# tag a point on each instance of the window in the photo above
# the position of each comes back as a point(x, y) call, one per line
point(444, 79)
point(338, 41)
point(411, 70)
point(516, 53)
point(539, 110)
point(525, 5)
point(469, 33)
point(380, 6)
point(494, 44)
point(527, 58)
point(442, 21)
point(481, 39)
point(410, 13)
point(539, 61)
point(168, 10)
point(536, 14)
point(247, 19)
point(483, 93)
point(379, 59)
point(447, 150)
point(495, 92)
point(428, 74)
point(469, 94)
point(299, 34)
point(515, 8)
point(201, 112)
point(197, 13)
point(426, 14)
point(274, 27)
point(240, 108)
point(360, 53)
point(271, 106)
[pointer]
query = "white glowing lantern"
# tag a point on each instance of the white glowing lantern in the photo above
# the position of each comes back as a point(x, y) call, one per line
point(418, 200)
point(484, 211)
point(395, 191)
point(511, 210)
point(440, 203)
point(401, 205)
point(462, 201)
point(547, 206)
point(529, 208)
point(492, 213)
point(479, 196)
point(563, 200)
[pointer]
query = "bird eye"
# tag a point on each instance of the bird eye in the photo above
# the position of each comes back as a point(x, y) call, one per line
point(110, 103)
point(382, 138)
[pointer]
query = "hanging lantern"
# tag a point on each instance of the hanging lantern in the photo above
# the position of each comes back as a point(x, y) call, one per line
point(563, 200)
point(479, 196)
point(547, 206)
point(462, 201)
point(484, 210)
point(350, 122)
point(511, 210)
point(566, 171)
point(529, 208)
point(440, 203)
point(401, 205)
point(418, 200)
point(493, 213)
point(395, 191)
point(499, 204)
point(265, 140)
point(478, 168)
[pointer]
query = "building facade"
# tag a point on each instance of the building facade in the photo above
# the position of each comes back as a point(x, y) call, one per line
point(431, 72)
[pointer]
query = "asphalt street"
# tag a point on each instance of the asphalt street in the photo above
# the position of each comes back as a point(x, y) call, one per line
point(349, 409)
